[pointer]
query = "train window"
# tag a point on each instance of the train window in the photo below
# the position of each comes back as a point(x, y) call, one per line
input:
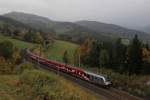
point(100, 79)
point(96, 78)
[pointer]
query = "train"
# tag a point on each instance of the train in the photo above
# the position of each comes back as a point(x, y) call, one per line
point(93, 78)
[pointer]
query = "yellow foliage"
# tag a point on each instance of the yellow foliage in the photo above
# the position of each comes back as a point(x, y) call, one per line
point(146, 55)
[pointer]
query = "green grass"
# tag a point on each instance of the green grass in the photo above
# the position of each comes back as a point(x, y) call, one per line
point(57, 50)
point(17, 43)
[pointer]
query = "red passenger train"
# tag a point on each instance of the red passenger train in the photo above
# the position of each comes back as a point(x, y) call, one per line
point(74, 71)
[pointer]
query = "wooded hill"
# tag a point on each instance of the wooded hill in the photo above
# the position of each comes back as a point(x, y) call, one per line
point(77, 31)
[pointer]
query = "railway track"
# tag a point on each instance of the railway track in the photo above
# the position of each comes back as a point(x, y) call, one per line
point(108, 94)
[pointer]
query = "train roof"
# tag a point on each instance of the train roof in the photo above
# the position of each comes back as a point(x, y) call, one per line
point(93, 74)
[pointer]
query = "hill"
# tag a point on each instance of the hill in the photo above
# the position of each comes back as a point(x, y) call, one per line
point(76, 31)
point(113, 30)
point(146, 29)
point(68, 29)
point(9, 26)
point(34, 21)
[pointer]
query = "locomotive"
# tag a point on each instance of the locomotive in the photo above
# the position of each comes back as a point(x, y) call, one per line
point(74, 71)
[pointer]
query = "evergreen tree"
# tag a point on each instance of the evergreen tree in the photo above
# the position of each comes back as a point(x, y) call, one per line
point(30, 36)
point(93, 57)
point(135, 56)
point(120, 55)
point(104, 58)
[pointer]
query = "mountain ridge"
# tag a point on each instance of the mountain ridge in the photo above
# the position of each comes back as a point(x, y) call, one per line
point(76, 28)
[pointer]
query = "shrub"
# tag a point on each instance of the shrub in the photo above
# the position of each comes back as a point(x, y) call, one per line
point(35, 81)
point(42, 85)
point(6, 67)
point(135, 84)
point(6, 49)
point(25, 66)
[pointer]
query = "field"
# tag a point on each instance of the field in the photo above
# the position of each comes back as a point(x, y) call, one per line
point(57, 50)
point(17, 43)
point(26, 86)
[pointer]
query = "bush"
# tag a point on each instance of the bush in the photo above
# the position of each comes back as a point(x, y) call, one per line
point(6, 49)
point(41, 85)
point(25, 66)
point(37, 82)
point(135, 84)
point(6, 67)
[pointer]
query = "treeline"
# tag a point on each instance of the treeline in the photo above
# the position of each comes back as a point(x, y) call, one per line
point(17, 30)
point(129, 58)
point(29, 35)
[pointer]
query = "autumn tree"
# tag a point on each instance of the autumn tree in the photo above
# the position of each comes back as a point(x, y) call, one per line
point(85, 50)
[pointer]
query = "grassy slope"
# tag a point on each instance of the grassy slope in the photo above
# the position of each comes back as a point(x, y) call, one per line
point(17, 43)
point(57, 50)
point(11, 89)
point(8, 87)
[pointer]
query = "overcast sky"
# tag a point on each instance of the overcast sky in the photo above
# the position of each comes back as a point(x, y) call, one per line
point(131, 13)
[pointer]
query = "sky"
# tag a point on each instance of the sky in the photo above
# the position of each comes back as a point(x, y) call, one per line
point(128, 13)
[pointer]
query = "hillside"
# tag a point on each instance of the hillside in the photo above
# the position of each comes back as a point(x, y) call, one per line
point(25, 86)
point(146, 29)
point(34, 21)
point(112, 30)
point(57, 50)
point(68, 29)
point(9, 26)
point(77, 31)
point(17, 43)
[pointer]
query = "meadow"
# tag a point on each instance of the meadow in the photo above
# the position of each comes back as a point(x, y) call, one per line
point(17, 43)
point(57, 49)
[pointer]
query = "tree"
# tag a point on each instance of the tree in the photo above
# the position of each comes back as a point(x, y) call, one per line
point(39, 38)
point(76, 56)
point(104, 58)
point(93, 56)
point(84, 50)
point(6, 49)
point(120, 55)
point(135, 56)
point(30, 36)
point(65, 57)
